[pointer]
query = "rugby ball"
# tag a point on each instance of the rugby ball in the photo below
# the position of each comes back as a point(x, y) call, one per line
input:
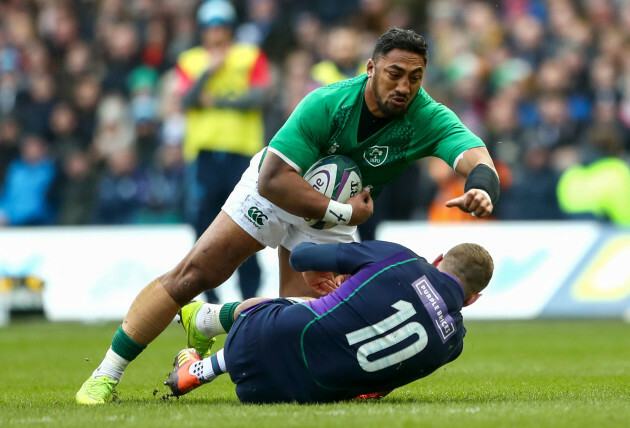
point(337, 177)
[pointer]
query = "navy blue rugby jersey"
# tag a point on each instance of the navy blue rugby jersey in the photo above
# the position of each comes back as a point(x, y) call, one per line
point(397, 319)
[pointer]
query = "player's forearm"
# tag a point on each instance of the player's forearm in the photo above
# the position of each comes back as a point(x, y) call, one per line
point(309, 256)
point(481, 178)
point(284, 186)
point(293, 194)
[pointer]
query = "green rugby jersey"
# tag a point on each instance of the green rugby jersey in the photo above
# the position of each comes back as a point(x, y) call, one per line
point(326, 123)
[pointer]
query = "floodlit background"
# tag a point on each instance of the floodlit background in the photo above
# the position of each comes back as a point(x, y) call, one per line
point(94, 193)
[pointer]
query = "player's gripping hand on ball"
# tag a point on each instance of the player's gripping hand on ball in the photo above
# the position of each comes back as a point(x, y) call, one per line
point(474, 201)
point(362, 206)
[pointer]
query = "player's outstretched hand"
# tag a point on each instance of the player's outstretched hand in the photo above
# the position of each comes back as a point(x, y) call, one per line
point(362, 206)
point(322, 282)
point(474, 201)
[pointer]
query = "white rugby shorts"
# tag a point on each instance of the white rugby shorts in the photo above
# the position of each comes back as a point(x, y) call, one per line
point(271, 225)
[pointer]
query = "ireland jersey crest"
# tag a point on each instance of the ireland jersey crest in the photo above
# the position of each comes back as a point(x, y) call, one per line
point(376, 155)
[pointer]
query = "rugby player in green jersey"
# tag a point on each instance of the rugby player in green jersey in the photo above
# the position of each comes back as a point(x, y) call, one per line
point(383, 120)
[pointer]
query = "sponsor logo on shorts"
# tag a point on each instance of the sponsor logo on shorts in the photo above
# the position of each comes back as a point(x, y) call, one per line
point(376, 155)
point(256, 217)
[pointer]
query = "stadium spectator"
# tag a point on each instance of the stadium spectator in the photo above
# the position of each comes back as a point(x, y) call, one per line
point(121, 188)
point(58, 27)
point(63, 129)
point(163, 201)
point(25, 195)
point(540, 53)
point(115, 130)
point(343, 57)
point(37, 58)
point(86, 96)
point(267, 25)
point(144, 107)
point(585, 190)
point(183, 38)
point(223, 86)
point(78, 62)
point(307, 30)
point(122, 57)
point(329, 349)
point(397, 123)
point(77, 189)
point(153, 51)
point(8, 93)
point(9, 144)
point(536, 182)
point(35, 107)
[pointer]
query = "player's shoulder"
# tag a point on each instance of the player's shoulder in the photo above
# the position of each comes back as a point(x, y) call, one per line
point(337, 95)
point(348, 86)
point(424, 106)
point(424, 102)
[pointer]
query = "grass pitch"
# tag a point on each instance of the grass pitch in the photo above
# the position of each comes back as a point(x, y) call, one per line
point(519, 374)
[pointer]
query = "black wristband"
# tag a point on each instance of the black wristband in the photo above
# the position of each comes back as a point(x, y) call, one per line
point(483, 177)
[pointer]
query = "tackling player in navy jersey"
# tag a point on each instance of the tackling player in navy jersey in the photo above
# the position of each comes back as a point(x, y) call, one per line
point(395, 318)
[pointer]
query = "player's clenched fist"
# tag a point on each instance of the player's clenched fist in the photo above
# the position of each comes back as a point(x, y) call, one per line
point(362, 206)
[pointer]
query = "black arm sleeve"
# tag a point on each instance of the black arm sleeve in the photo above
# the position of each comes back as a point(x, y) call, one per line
point(483, 177)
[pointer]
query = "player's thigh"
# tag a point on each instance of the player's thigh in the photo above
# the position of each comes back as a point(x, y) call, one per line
point(254, 214)
point(213, 259)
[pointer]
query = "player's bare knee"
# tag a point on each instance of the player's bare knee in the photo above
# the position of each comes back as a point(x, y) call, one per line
point(186, 282)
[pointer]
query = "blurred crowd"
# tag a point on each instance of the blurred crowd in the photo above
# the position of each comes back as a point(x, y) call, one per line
point(91, 124)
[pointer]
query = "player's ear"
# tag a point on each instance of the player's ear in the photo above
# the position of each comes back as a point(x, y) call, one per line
point(370, 68)
point(472, 299)
point(437, 260)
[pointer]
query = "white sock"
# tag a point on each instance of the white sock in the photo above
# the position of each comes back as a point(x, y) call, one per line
point(208, 322)
point(213, 366)
point(196, 369)
point(113, 365)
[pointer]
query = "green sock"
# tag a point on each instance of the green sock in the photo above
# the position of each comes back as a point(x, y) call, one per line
point(226, 315)
point(125, 346)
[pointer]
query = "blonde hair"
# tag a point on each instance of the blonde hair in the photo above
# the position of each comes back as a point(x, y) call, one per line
point(471, 264)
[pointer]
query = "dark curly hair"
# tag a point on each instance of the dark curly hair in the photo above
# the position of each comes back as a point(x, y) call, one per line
point(397, 38)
